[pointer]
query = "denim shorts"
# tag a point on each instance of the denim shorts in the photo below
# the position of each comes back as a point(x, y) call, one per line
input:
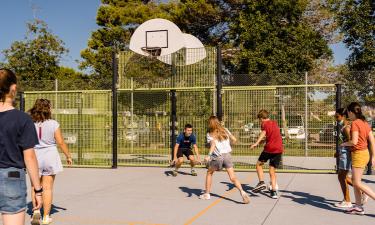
point(345, 158)
point(12, 190)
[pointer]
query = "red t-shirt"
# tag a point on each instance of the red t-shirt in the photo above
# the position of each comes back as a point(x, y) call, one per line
point(274, 142)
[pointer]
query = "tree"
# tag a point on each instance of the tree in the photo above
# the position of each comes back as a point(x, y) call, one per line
point(231, 23)
point(36, 57)
point(357, 22)
point(274, 39)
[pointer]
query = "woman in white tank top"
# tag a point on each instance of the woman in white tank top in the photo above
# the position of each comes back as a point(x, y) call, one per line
point(49, 135)
point(219, 157)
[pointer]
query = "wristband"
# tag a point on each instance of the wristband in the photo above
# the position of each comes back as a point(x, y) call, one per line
point(210, 154)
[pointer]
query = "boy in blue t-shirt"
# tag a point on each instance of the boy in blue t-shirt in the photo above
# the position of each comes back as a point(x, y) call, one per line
point(185, 141)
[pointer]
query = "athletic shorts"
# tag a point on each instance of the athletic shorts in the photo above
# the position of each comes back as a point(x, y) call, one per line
point(184, 152)
point(219, 162)
point(274, 158)
point(49, 161)
point(360, 158)
point(12, 190)
point(345, 158)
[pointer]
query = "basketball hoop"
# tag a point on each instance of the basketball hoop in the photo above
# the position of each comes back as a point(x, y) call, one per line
point(152, 51)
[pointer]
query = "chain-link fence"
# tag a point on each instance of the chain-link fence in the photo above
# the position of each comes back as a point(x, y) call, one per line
point(156, 97)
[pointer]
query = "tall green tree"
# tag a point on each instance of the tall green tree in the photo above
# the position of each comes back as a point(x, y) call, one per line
point(357, 22)
point(273, 37)
point(36, 57)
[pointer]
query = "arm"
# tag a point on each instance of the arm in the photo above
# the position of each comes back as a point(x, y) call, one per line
point(262, 135)
point(353, 141)
point(212, 149)
point(371, 140)
point(175, 151)
point(232, 138)
point(197, 152)
point(33, 171)
point(61, 143)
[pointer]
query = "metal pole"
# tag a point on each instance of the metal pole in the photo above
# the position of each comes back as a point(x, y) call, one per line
point(173, 107)
point(22, 101)
point(219, 84)
point(132, 114)
point(56, 90)
point(338, 105)
point(306, 116)
point(114, 107)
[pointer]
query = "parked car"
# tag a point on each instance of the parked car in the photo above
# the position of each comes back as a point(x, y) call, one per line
point(328, 133)
point(296, 127)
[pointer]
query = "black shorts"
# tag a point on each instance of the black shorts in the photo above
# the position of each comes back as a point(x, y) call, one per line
point(274, 158)
point(184, 152)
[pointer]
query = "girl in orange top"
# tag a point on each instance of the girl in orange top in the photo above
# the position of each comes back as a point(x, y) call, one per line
point(361, 138)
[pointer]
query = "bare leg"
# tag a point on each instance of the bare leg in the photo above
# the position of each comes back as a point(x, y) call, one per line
point(272, 171)
point(342, 176)
point(234, 179)
point(47, 182)
point(259, 167)
point(210, 172)
point(14, 219)
point(192, 161)
point(359, 187)
point(179, 162)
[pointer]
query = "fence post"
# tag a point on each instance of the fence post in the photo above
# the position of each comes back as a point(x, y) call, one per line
point(338, 105)
point(22, 101)
point(173, 107)
point(219, 84)
point(114, 107)
point(306, 116)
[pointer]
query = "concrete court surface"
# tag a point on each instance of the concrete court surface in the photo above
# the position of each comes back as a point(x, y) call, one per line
point(145, 196)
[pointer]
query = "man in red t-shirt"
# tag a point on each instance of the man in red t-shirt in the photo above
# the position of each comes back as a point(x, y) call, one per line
point(273, 151)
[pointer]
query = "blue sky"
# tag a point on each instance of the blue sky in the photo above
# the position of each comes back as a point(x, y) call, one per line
point(71, 20)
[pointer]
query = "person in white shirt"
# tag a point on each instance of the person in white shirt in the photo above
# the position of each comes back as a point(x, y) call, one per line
point(49, 136)
point(219, 157)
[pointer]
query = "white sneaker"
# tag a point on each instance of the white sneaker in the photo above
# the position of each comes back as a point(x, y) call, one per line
point(47, 220)
point(205, 196)
point(35, 219)
point(364, 199)
point(343, 204)
point(245, 197)
point(270, 187)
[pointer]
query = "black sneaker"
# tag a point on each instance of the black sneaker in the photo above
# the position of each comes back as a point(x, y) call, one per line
point(260, 186)
point(274, 195)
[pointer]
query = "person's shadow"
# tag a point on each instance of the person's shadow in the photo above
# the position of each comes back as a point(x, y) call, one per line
point(197, 192)
point(367, 181)
point(170, 173)
point(54, 209)
point(304, 198)
point(245, 187)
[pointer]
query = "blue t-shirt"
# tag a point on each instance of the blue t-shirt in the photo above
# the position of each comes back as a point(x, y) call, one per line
point(186, 142)
point(17, 133)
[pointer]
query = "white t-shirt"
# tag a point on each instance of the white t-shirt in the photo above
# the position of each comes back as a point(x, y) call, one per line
point(46, 133)
point(221, 146)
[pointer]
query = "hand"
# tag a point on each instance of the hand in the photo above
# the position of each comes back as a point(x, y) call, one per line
point(253, 146)
point(38, 202)
point(69, 160)
point(207, 158)
point(199, 160)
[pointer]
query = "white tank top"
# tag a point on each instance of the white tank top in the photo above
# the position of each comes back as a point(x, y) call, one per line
point(46, 133)
point(221, 146)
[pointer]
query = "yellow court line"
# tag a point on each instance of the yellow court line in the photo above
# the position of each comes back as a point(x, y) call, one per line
point(201, 213)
